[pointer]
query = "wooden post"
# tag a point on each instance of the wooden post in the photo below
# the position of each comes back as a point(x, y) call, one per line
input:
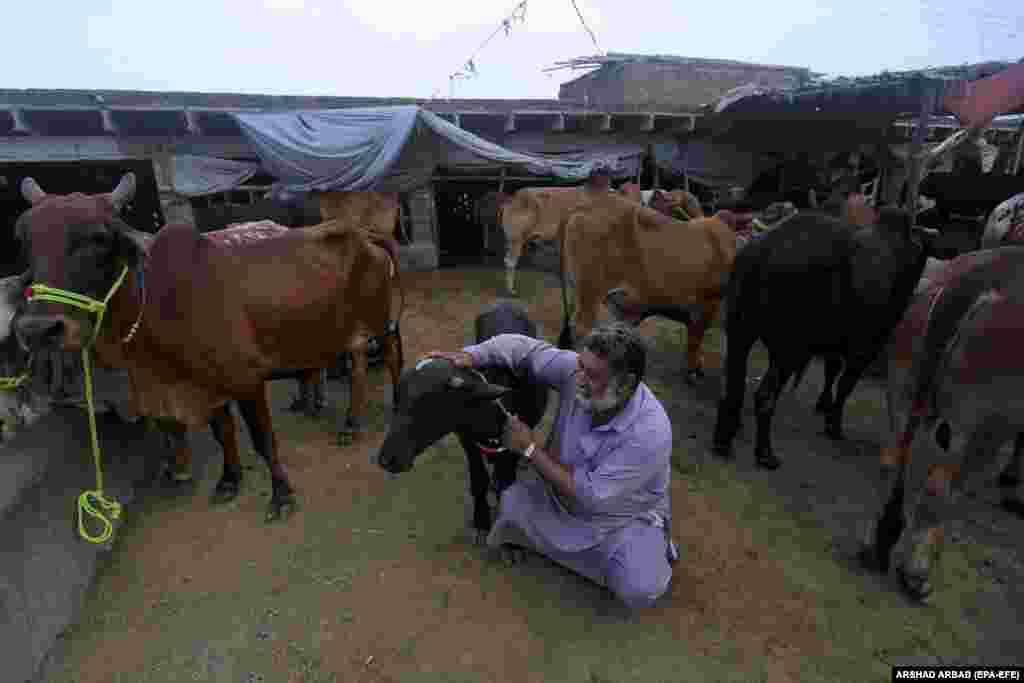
point(1020, 148)
point(916, 144)
point(655, 176)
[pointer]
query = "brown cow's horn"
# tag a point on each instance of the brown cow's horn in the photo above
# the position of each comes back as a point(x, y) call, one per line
point(31, 191)
point(124, 191)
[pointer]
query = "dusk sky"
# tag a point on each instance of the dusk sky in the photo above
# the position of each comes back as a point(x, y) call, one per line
point(402, 48)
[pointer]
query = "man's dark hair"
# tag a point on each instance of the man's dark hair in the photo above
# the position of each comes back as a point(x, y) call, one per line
point(621, 345)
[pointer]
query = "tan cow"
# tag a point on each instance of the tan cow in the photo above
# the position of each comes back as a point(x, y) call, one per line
point(376, 212)
point(534, 213)
point(642, 263)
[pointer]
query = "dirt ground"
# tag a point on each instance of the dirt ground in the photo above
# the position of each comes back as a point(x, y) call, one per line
point(376, 579)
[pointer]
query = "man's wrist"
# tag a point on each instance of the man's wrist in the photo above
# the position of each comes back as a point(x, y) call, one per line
point(528, 453)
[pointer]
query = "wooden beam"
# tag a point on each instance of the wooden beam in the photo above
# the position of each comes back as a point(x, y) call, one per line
point(510, 123)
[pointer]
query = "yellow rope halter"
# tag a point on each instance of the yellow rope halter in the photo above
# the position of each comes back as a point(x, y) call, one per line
point(44, 292)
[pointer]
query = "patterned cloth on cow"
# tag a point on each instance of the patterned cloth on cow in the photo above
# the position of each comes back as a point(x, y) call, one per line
point(614, 531)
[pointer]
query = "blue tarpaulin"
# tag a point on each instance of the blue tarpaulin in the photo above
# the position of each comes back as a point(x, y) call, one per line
point(384, 149)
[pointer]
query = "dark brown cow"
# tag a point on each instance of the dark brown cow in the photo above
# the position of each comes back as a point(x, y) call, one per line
point(198, 323)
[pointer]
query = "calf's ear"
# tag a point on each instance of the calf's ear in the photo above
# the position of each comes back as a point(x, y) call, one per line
point(485, 391)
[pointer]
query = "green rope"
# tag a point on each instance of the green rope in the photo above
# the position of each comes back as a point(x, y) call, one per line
point(85, 500)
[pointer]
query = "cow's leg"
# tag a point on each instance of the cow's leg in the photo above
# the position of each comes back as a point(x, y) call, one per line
point(311, 400)
point(765, 399)
point(833, 364)
point(1013, 476)
point(355, 424)
point(1013, 473)
point(256, 413)
point(931, 477)
point(587, 306)
point(727, 422)
point(302, 402)
point(393, 357)
point(885, 525)
point(479, 485)
point(513, 252)
point(695, 333)
point(851, 375)
point(180, 471)
point(225, 430)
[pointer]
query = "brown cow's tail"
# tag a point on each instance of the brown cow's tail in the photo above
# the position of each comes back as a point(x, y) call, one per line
point(394, 326)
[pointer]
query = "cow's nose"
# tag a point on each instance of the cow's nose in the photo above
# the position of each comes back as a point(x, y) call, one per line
point(39, 332)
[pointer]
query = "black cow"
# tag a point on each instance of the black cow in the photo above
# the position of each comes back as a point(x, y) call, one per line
point(435, 399)
point(814, 287)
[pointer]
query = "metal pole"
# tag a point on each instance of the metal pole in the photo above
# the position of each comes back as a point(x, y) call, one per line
point(916, 144)
point(1020, 148)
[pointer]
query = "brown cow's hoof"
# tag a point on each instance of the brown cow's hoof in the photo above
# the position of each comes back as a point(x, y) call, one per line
point(694, 376)
point(281, 508)
point(1014, 506)
point(348, 437)
point(225, 492)
point(178, 477)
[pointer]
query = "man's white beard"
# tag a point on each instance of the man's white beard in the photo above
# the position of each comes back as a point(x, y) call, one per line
point(601, 404)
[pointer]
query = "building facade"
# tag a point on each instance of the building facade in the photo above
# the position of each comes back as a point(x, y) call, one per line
point(669, 83)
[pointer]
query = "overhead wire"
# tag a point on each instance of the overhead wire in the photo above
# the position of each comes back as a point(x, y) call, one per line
point(468, 68)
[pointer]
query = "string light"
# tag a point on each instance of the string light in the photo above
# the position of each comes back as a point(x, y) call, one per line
point(468, 68)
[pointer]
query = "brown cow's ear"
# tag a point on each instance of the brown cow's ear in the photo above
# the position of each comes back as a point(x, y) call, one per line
point(31, 191)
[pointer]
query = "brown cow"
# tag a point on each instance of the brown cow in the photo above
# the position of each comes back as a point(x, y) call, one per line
point(678, 204)
point(534, 213)
point(641, 262)
point(376, 212)
point(198, 323)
